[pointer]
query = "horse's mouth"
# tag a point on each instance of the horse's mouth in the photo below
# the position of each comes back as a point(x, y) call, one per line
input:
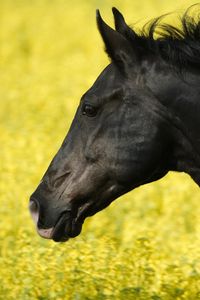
point(67, 226)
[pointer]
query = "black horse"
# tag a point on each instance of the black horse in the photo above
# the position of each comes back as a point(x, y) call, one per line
point(139, 120)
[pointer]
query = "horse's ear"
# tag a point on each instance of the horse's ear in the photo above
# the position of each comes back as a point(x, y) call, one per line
point(121, 26)
point(118, 47)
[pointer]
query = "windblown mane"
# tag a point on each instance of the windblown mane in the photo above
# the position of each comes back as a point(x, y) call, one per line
point(179, 46)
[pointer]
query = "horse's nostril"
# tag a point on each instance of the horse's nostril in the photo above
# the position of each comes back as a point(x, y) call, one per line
point(34, 210)
point(33, 206)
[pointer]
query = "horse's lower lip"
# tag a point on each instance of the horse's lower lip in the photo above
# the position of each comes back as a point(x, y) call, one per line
point(62, 228)
point(69, 227)
point(66, 228)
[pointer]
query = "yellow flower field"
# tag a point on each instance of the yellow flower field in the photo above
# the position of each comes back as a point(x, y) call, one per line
point(146, 245)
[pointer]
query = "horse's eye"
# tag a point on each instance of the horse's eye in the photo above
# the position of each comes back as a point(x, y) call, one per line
point(89, 110)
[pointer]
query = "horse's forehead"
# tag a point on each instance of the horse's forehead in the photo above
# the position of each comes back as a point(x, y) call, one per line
point(109, 79)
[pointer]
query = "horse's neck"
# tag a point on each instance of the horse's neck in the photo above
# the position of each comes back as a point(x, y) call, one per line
point(182, 99)
point(186, 108)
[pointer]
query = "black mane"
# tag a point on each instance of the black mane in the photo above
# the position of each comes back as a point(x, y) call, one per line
point(179, 46)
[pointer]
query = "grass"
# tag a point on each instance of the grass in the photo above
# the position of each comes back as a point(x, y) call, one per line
point(146, 245)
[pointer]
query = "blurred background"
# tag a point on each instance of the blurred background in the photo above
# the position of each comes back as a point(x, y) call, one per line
point(146, 245)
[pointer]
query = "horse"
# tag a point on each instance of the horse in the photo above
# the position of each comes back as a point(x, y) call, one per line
point(138, 121)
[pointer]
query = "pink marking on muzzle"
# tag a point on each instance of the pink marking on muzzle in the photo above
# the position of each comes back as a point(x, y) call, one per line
point(45, 233)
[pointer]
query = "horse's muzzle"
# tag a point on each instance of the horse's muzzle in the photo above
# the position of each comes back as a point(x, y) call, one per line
point(64, 228)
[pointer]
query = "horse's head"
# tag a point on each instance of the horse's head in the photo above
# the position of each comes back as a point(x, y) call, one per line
point(117, 141)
